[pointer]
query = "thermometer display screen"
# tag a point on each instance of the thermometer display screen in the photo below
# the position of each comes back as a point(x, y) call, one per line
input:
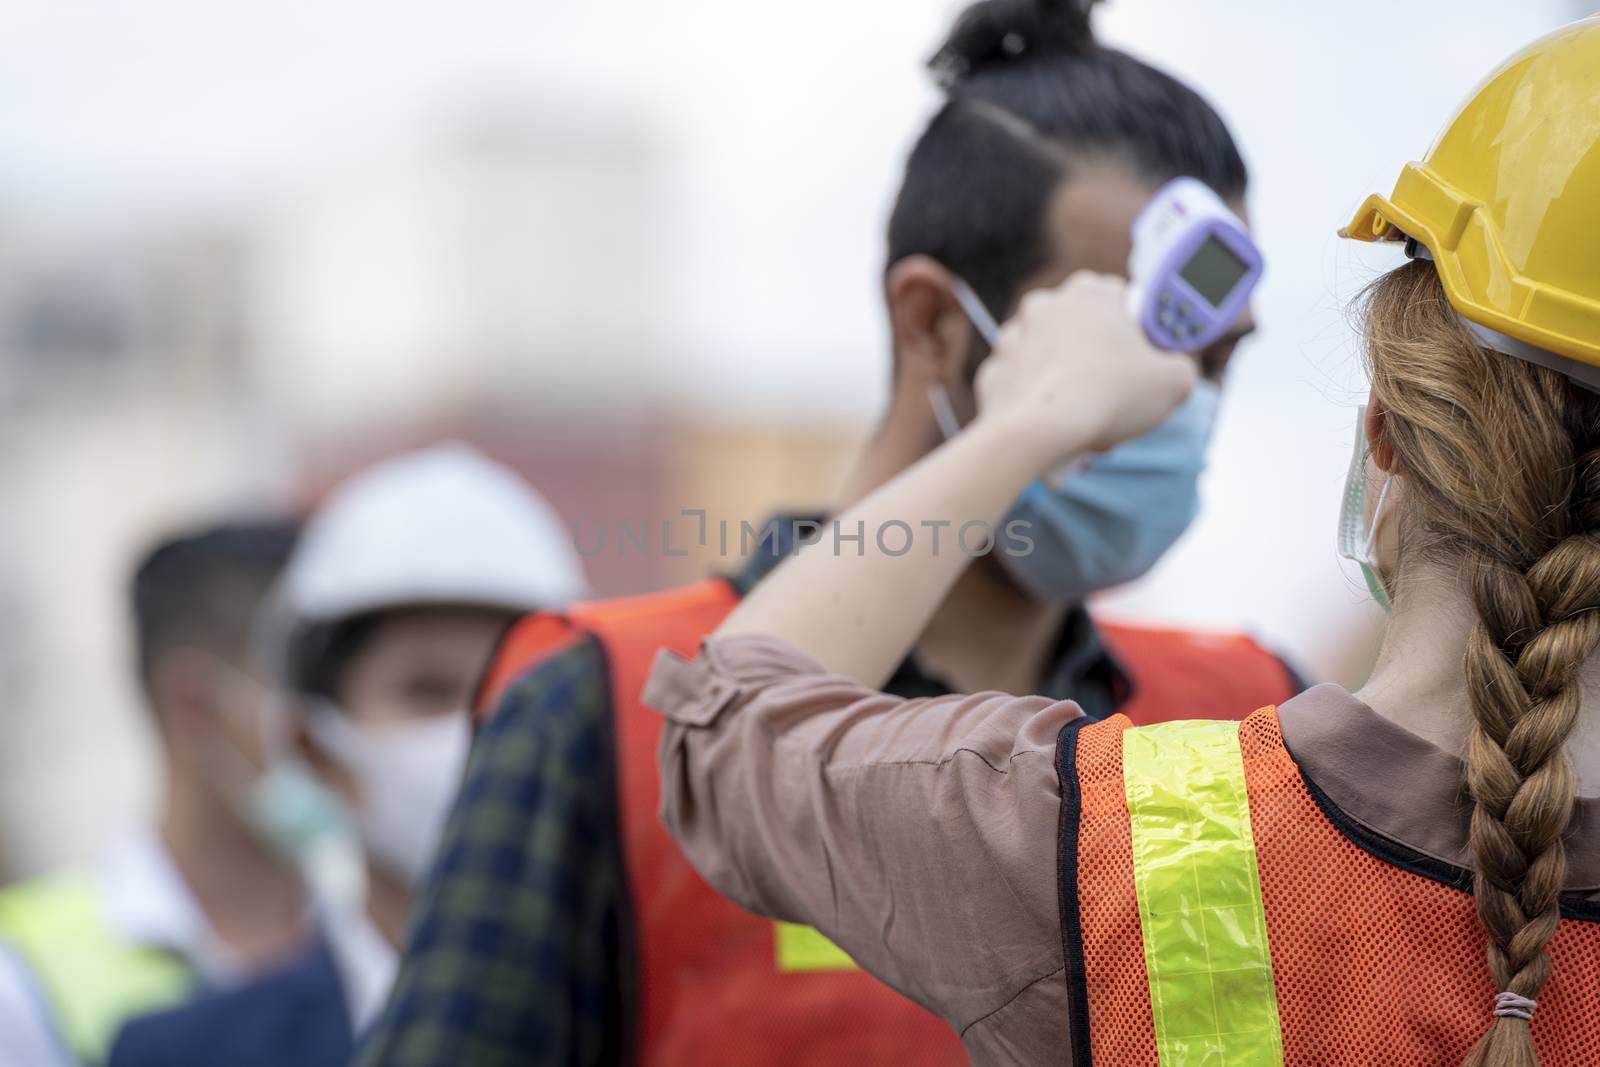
point(1213, 271)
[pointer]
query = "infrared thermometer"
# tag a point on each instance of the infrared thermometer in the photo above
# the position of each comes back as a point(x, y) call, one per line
point(1191, 272)
point(1192, 269)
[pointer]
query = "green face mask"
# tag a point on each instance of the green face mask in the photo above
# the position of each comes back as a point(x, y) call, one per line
point(285, 805)
point(1357, 533)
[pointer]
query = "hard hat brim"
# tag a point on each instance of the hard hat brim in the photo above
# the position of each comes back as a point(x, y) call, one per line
point(1468, 246)
point(1372, 221)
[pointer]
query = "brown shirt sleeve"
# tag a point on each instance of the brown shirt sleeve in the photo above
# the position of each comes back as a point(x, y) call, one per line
point(919, 835)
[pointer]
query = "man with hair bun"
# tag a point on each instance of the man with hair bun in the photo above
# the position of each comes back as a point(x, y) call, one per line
point(604, 946)
point(1408, 874)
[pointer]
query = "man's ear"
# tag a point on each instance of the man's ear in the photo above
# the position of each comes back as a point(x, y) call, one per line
point(183, 693)
point(931, 333)
point(1382, 451)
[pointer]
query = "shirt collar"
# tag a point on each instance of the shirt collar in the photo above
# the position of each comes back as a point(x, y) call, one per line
point(1082, 668)
point(1404, 788)
point(363, 958)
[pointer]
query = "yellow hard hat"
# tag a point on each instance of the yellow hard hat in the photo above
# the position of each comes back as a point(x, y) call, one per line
point(1507, 201)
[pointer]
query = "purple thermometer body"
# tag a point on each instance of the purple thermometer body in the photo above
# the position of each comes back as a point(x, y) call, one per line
point(1193, 267)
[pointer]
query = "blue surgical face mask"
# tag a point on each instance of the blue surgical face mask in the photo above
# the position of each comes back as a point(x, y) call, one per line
point(1107, 520)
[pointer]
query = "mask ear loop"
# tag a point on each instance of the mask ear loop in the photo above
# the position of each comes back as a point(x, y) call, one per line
point(1377, 510)
point(944, 413)
point(1369, 565)
point(976, 311)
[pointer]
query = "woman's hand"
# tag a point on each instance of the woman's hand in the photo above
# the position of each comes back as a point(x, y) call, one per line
point(1074, 373)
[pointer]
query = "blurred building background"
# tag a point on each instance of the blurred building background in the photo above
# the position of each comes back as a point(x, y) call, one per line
point(631, 248)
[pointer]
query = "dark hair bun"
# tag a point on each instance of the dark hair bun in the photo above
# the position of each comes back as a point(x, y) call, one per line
point(995, 32)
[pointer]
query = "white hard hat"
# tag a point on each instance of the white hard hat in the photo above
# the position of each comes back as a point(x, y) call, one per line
point(445, 525)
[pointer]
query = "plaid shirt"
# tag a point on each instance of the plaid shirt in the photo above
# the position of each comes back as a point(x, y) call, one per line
point(517, 948)
point(520, 952)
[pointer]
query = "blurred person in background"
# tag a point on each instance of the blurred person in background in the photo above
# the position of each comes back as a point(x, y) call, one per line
point(404, 580)
point(200, 899)
point(1409, 874)
point(559, 879)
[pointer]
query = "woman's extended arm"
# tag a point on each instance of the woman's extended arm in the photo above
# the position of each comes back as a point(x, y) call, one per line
point(916, 834)
point(1072, 374)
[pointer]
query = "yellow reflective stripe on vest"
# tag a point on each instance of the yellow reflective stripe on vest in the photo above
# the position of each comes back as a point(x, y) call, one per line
point(92, 979)
point(1194, 868)
point(800, 948)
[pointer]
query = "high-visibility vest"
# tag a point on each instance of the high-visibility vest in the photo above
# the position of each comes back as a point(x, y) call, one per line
point(720, 985)
point(1220, 910)
point(93, 979)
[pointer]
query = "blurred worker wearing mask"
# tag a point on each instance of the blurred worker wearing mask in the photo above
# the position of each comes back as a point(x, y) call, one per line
point(1045, 150)
point(199, 900)
point(390, 608)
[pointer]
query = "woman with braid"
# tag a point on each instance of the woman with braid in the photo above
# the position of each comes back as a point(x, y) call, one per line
point(1409, 874)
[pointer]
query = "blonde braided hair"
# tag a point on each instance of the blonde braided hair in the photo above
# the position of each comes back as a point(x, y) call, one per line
point(1501, 461)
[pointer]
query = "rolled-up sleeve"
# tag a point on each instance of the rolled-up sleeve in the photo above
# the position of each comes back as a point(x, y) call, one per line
point(919, 835)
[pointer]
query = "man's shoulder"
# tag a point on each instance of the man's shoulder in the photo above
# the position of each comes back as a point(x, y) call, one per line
point(1143, 647)
point(63, 911)
point(1163, 635)
point(295, 1013)
point(536, 650)
point(573, 647)
point(76, 883)
point(692, 609)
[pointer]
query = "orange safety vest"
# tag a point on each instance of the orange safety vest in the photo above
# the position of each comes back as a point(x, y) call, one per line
point(1341, 948)
point(714, 982)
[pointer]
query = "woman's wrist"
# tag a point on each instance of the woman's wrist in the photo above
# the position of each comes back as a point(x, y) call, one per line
point(1024, 448)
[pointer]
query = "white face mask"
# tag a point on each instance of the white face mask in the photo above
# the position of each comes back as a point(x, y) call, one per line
point(408, 776)
point(1358, 534)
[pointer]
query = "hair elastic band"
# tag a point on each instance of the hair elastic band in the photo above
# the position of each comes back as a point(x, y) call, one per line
point(1509, 1005)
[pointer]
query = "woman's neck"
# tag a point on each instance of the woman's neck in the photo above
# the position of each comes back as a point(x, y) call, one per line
point(1419, 681)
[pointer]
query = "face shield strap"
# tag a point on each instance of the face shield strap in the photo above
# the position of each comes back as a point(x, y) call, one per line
point(1582, 373)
